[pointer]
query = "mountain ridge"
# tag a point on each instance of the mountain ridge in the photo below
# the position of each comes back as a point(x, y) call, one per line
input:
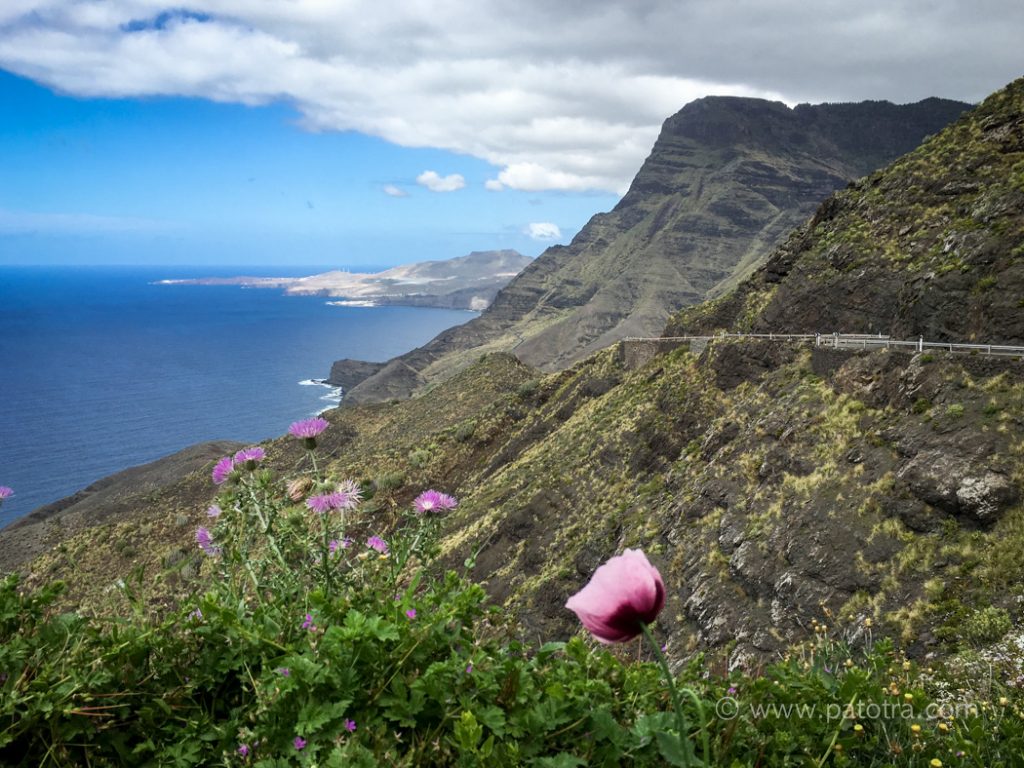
point(727, 178)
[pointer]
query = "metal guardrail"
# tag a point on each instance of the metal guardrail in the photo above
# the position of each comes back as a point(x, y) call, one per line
point(854, 341)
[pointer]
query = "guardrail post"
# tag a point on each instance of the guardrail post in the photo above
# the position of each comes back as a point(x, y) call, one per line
point(920, 343)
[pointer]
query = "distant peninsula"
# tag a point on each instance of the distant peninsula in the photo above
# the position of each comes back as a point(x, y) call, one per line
point(467, 282)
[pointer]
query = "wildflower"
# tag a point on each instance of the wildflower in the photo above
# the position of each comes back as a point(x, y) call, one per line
point(223, 469)
point(434, 502)
point(858, 728)
point(243, 750)
point(308, 623)
point(299, 742)
point(935, 763)
point(205, 541)
point(1003, 701)
point(469, 668)
point(908, 697)
point(213, 512)
point(6, 492)
point(351, 489)
point(250, 457)
point(943, 727)
point(732, 690)
point(411, 613)
point(622, 596)
point(284, 672)
point(332, 546)
point(197, 615)
point(307, 430)
point(350, 726)
point(868, 623)
point(325, 502)
point(915, 729)
point(378, 544)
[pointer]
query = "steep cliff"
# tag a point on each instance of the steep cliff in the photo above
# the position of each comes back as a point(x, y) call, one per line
point(727, 178)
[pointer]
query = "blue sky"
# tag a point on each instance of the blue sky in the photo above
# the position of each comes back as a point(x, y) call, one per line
point(158, 180)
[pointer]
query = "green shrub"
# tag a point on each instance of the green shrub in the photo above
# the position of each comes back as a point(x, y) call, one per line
point(465, 430)
point(986, 625)
point(954, 410)
point(389, 481)
point(419, 458)
point(922, 405)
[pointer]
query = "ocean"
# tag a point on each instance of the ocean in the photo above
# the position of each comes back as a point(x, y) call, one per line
point(101, 369)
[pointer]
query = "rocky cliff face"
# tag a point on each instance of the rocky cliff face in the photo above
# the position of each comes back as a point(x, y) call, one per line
point(726, 180)
point(931, 246)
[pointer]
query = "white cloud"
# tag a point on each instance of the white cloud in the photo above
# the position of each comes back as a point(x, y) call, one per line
point(392, 191)
point(437, 183)
point(551, 110)
point(543, 230)
point(493, 185)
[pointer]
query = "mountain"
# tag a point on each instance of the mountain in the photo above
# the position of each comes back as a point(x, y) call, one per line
point(932, 246)
point(465, 282)
point(727, 178)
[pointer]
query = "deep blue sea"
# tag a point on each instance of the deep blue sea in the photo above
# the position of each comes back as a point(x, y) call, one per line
point(100, 369)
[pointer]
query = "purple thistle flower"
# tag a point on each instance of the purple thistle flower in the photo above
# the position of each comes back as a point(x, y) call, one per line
point(243, 750)
point(205, 541)
point(300, 743)
point(411, 613)
point(332, 546)
point(377, 543)
point(250, 456)
point(350, 726)
point(352, 490)
point(308, 623)
point(213, 511)
point(434, 502)
point(223, 470)
point(325, 502)
point(284, 671)
point(307, 429)
point(6, 492)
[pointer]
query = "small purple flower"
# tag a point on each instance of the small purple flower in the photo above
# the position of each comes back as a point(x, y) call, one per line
point(222, 471)
point(213, 512)
point(300, 743)
point(332, 546)
point(469, 668)
point(196, 615)
point(243, 750)
point(6, 492)
point(325, 502)
point(308, 430)
point(284, 672)
point(350, 726)
point(732, 690)
point(378, 544)
point(434, 502)
point(411, 613)
point(250, 456)
point(308, 623)
point(205, 541)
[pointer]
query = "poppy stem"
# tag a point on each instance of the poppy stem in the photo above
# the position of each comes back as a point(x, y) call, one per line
point(684, 735)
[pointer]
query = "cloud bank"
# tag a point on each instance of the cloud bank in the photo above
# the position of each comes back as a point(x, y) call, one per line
point(566, 95)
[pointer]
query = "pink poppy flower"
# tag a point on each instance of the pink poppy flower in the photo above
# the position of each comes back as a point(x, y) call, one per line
point(623, 594)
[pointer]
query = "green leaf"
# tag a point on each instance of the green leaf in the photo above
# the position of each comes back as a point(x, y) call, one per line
point(675, 750)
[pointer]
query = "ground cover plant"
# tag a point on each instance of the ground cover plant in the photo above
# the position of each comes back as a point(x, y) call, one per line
point(326, 635)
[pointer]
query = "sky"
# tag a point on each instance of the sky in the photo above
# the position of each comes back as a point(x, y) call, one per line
point(344, 132)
